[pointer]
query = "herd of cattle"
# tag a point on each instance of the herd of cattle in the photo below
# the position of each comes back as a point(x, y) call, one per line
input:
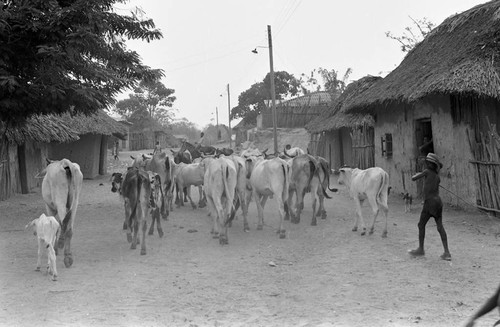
point(226, 182)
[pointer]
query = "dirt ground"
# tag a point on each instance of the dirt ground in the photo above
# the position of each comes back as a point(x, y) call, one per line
point(325, 275)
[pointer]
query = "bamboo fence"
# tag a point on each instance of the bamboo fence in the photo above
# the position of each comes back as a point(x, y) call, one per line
point(363, 147)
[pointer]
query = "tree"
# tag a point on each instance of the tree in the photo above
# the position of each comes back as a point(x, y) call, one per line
point(67, 55)
point(150, 99)
point(411, 38)
point(185, 127)
point(252, 101)
point(331, 83)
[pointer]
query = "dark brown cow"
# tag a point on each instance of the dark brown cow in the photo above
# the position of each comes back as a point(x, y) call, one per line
point(136, 192)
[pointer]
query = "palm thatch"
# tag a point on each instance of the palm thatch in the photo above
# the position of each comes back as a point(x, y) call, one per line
point(63, 128)
point(460, 56)
point(336, 117)
point(43, 129)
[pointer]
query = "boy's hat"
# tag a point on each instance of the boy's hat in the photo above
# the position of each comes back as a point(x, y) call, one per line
point(431, 157)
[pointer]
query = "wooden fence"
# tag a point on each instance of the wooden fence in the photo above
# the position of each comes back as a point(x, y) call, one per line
point(486, 154)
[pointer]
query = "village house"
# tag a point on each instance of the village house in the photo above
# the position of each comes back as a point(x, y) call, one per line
point(344, 139)
point(80, 138)
point(444, 98)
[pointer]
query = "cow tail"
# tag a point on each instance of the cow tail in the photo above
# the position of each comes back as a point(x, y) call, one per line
point(385, 180)
point(286, 183)
point(326, 170)
point(225, 176)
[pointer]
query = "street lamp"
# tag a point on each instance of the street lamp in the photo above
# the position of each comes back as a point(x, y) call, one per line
point(273, 92)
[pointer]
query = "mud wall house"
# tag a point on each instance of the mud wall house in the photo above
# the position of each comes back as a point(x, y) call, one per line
point(297, 112)
point(24, 150)
point(241, 132)
point(341, 138)
point(90, 151)
point(446, 89)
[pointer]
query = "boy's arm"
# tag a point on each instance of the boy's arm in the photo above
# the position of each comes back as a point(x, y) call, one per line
point(487, 307)
point(418, 176)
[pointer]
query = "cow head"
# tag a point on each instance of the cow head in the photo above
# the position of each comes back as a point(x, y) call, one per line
point(344, 176)
point(116, 182)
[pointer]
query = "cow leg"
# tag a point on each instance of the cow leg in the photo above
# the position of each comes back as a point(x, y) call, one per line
point(359, 217)
point(51, 253)
point(68, 257)
point(188, 193)
point(236, 206)
point(202, 202)
point(385, 209)
point(40, 253)
point(158, 222)
point(260, 209)
point(135, 229)
point(144, 224)
point(289, 213)
point(185, 190)
point(281, 208)
point(213, 213)
point(153, 218)
point(244, 209)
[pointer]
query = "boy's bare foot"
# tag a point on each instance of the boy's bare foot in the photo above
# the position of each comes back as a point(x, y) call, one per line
point(446, 256)
point(416, 252)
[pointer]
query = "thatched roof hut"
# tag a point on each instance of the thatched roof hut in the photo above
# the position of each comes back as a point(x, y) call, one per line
point(336, 117)
point(64, 128)
point(460, 56)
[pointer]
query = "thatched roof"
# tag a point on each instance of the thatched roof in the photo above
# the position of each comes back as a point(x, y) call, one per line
point(64, 128)
point(336, 117)
point(460, 56)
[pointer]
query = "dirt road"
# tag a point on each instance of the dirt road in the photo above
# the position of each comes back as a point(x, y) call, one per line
point(318, 276)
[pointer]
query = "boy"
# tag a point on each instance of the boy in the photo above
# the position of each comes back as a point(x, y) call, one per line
point(433, 206)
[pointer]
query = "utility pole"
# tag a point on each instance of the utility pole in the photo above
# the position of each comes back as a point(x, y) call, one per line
point(229, 115)
point(217, 122)
point(273, 92)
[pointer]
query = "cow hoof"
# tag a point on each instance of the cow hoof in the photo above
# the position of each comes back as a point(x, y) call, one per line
point(259, 227)
point(354, 229)
point(363, 233)
point(246, 229)
point(371, 232)
point(54, 278)
point(68, 261)
point(37, 269)
point(282, 234)
point(323, 215)
point(125, 226)
point(133, 246)
point(129, 238)
point(150, 232)
point(223, 240)
point(384, 234)
point(160, 232)
point(143, 251)
point(314, 223)
point(215, 235)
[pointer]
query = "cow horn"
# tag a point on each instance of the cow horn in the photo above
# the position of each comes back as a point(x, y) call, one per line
point(284, 151)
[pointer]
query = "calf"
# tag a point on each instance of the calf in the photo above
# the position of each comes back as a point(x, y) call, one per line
point(371, 184)
point(47, 230)
point(136, 192)
point(61, 187)
point(220, 185)
point(408, 201)
point(187, 175)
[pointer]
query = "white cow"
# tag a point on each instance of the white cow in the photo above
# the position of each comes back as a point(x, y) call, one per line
point(61, 187)
point(293, 152)
point(187, 175)
point(243, 193)
point(269, 177)
point(220, 185)
point(371, 184)
point(47, 230)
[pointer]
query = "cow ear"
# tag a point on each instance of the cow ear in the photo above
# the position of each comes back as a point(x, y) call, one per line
point(133, 158)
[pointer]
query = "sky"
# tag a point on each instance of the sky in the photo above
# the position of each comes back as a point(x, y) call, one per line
point(207, 45)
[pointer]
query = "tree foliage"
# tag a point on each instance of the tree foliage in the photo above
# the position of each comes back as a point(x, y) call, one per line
point(151, 101)
point(413, 35)
point(329, 81)
point(185, 127)
point(252, 101)
point(63, 55)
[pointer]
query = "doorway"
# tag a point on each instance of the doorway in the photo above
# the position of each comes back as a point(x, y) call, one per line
point(425, 145)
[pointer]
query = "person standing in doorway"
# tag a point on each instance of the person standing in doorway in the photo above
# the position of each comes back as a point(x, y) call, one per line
point(433, 206)
point(157, 148)
point(117, 149)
